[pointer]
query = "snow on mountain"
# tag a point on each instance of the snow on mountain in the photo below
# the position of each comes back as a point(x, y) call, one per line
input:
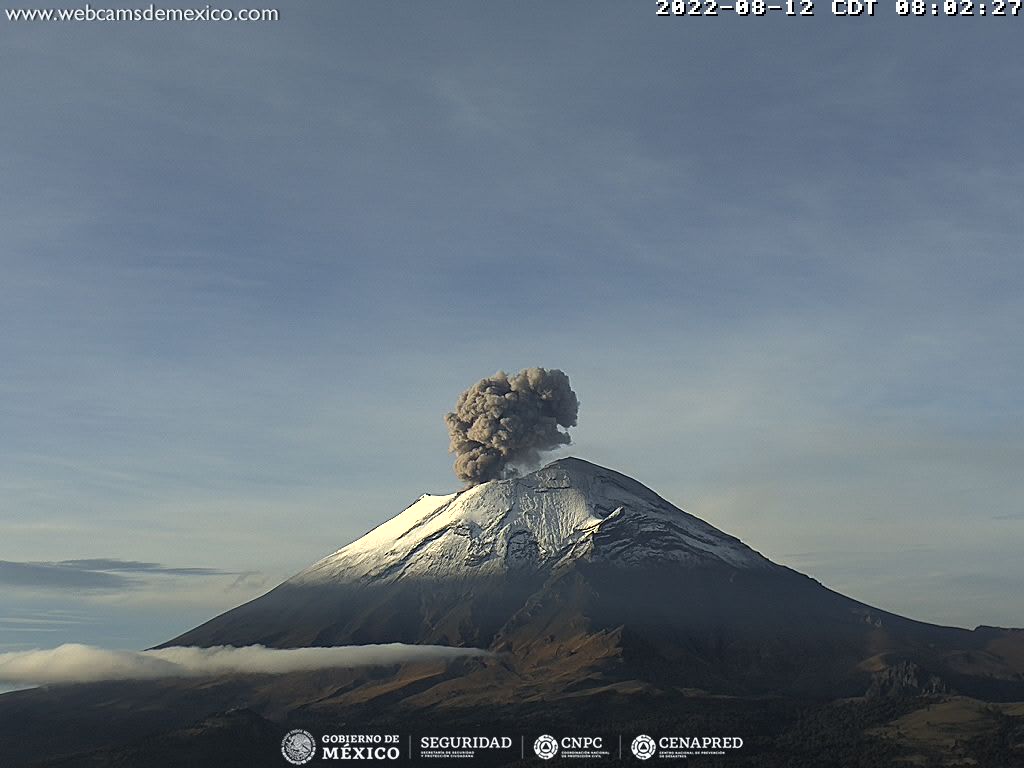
point(577, 575)
point(567, 511)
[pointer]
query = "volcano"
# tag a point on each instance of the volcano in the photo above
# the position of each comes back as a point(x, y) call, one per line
point(578, 577)
point(600, 605)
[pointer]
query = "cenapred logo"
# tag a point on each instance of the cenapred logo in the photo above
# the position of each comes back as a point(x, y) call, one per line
point(643, 747)
point(546, 747)
point(298, 746)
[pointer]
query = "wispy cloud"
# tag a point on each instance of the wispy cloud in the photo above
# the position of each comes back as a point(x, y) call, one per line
point(74, 663)
point(45, 620)
point(52, 575)
point(101, 574)
point(135, 566)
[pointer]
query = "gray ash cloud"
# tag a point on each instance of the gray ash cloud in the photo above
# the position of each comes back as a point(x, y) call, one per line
point(503, 421)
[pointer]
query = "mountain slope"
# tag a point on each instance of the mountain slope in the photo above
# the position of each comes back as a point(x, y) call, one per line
point(547, 518)
point(578, 575)
point(601, 603)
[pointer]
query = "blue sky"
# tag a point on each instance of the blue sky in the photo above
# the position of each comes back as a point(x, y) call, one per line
point(248, 267)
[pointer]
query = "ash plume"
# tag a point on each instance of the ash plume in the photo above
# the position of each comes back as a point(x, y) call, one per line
point(506, 420)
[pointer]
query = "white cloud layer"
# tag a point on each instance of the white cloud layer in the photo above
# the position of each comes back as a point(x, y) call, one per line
point(75, 663)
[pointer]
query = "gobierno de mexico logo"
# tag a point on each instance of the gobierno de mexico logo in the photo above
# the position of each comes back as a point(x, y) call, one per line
point(298, 746)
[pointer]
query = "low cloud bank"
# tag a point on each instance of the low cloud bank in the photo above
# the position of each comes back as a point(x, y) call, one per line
point(74, 663)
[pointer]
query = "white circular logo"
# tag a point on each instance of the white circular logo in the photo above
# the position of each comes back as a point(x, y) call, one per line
point(298, 747)
point(643, 747)
point(546, 747)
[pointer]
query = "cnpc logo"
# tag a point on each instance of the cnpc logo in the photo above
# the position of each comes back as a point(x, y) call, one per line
point(545, 747)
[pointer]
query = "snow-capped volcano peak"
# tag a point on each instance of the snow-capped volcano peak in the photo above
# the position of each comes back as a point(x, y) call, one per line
point(580, 576)
point(566, 511)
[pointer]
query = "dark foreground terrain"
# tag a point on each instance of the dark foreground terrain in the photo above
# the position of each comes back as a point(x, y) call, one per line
point(165, 725)
point(603, 609)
